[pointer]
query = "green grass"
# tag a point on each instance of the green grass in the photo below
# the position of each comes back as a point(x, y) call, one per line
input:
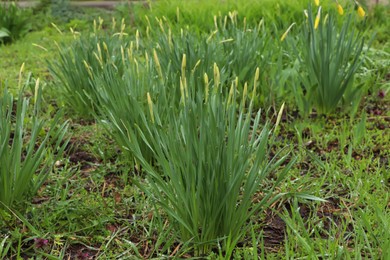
point(33, 50)
point(90, 205)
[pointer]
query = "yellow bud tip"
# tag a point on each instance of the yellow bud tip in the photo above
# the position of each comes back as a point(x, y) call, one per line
point(318, 17)
point(150, 103)
point(286, 32)
point(317, 2)
point(361, 11)
point(316, 22)
point(184, 61)
point(340, 9)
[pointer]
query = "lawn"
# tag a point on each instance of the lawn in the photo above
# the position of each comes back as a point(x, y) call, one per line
point(195, 129)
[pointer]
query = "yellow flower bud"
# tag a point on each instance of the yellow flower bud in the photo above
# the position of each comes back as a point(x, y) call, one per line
point(317, 2)
point(340, 9)
point(361, 11)
point(286, 32)
point(317, 22)
point(150, 104)
point(318, 17)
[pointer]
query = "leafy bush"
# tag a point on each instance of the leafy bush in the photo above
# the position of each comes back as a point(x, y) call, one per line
point(26, 153)
point(13, 22)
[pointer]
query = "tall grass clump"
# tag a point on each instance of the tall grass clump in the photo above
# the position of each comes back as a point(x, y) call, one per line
point(329, 58)
point(122, 100)
point(173, 63)
point(171, 47)
point(28, 149)
point(86, 56)
point(235, 47)
point(209, 160)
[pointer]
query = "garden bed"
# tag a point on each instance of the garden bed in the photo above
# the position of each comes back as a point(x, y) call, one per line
point(187, 129)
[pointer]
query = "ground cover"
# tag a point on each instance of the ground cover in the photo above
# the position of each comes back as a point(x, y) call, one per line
point(154, 144)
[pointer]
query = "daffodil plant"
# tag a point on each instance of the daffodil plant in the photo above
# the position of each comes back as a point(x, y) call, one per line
point(28, 149)
point(329, 57)
point(79, 62)
point(203, 159)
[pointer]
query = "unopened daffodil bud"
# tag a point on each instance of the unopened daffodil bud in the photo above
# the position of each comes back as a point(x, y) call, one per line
point(286, 32)
point(340, 9)
point(361, 11)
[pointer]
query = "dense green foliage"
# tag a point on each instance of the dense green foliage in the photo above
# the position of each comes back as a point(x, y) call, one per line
point(78, 62)
point(14, 22)
point(198, 129)
point(21, 160)
point(329, 58)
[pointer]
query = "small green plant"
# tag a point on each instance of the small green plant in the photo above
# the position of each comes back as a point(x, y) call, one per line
point(329, 59)
point(26, 152)
point(13, 22)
